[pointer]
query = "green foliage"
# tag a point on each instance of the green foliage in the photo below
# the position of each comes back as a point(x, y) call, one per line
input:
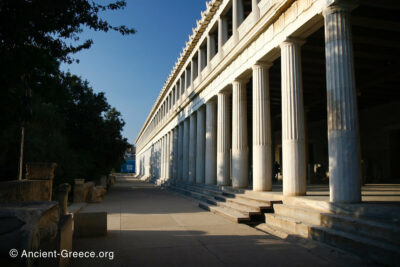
point(70, 124)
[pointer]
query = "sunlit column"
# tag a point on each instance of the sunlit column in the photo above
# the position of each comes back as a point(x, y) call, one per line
point(200, 149)
point(239, 135)
point(223, 140)
point(211, 143)
point(192, 148)
point(180, 153)
point(185, 163)
point(175, 154)
point(262, 153)
point(293, 136)
point(255, 9)
point(343, 132)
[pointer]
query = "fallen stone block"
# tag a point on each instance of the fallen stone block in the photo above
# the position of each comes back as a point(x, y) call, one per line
point(88, 224)
point(79, 191)
point(96, 194)
point(41, 171)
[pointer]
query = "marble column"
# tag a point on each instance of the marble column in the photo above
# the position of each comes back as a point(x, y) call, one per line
point(191, 73)
point(185, 161)
point(210, 47)
point(182, 85)
point(211, 143)
point(223, 140)
point(167, 156)
point(200, 149)
point(343, 132)
point(239, 135)
point(222, 32)
point(162, 151)
point(180, 153)
point(255, 10)
point(262, 149)
point(293, 136)
point(175, 155)
point(199, 63)
point(237, 17)
point(188, 79)
point(192, 148)
point(160, 165)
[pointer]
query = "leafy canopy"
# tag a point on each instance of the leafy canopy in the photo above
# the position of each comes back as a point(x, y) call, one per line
point(70, 124)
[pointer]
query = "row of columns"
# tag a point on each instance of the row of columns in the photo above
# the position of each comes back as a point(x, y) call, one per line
point(201, 150)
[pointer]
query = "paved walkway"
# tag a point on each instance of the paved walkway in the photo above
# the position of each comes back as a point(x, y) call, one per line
point(149, 226)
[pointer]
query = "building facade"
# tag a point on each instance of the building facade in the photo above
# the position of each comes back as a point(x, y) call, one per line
point(266, 83)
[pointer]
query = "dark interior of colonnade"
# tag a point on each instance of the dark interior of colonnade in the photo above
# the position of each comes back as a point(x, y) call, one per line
point(375, 26)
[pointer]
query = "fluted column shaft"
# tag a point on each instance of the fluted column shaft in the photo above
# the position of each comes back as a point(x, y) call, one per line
point(223, 140)
point(175, 154)
point(165, 152)
point(180, 153)
point(343, 132)
point(185, 163)
point(262, 151)
point(211, 143)
point(200, 149)
point(293, 136)
point(162, 158)
point(192, 148)
point(239, 135)
point(167, 156)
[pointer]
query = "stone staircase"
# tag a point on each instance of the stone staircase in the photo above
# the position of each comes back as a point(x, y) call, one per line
point(238, 206)
point(369, 230)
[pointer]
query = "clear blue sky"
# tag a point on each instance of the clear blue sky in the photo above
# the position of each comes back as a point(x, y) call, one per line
point(131, 70)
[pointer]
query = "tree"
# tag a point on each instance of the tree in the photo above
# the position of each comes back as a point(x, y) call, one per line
point(35, 37)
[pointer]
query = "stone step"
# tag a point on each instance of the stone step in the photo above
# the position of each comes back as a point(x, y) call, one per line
point(240, 208)
point(263, 202)
point(365, 247)
point(287, 224)
point(230, 214)
point(266, 228)
point(381, 252)
point(364, 227)
point(192, 194)
point(246, 209)
point(389, 214)
point(205, 190)
point(299, 213)
point(250, 204)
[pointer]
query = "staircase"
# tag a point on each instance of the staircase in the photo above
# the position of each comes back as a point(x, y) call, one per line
point(369, 230)
point(242, 207)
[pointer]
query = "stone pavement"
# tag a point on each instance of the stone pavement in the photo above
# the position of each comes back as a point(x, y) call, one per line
point(149, 226)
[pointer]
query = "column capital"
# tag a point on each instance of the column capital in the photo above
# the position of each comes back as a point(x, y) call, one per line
point(293, 40)
point(211, 101)
point(339, 6)
point(262, 64)
point(239, 80)
point(224, 91)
